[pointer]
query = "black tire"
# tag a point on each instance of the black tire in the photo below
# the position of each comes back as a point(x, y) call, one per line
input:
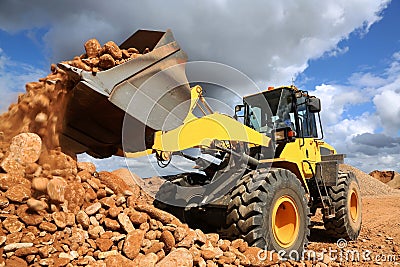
point(346, 198)
point(251, 208)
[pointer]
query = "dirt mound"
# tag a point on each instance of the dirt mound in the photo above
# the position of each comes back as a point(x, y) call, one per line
point(395, 182)
point(383, 176)
point(368, 184)
point(391, 178)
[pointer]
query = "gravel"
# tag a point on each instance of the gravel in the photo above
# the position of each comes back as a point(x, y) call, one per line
point(369, 185)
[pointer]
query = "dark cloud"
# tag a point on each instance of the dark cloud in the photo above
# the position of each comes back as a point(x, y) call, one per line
point(378, 140)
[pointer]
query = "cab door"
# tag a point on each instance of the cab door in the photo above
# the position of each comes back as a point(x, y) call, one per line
point(307, 134)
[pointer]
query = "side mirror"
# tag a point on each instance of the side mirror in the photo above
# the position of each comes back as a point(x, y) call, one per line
point(314, 104)
point(238, 108)
point(238, 113)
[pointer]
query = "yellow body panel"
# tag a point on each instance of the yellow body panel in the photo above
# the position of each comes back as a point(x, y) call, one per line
point(202, 131)
point(139, 154)
point(294, 154)
point(197, 132)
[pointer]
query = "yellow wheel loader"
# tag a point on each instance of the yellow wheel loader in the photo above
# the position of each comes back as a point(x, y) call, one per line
point(267, 169)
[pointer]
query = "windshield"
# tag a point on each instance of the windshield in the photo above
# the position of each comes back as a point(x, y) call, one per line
point(275, 109)
point(269, 110)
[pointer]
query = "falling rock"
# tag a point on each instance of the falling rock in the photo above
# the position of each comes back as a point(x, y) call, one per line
point(40, 183)
point(75, 195)
point(92, 209)
point(92, 48)
point(83, 219)
point(36, 205)
point(113, 182)
point(27, 216)
point(178, 257)
point(106, 61)
point(102, 255)
point(59, 164)
point(12, 225)
point(112, 49)
point(125, 222)
point(15, 246)
point(25, 148)
point(60, 219)
point(18, 193)
point(133, 243)
point(14, 261)
point(157, 214)
point(168, 239)
point(86, 166)
point(149, 260)
point(56, 189)
point(117, 261)
point(48, 227)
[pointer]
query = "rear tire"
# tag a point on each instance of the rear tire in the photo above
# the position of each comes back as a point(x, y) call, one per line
point(346, 198)
point(269, 209)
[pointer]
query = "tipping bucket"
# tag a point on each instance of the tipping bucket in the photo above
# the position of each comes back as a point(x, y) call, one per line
point(152, 89)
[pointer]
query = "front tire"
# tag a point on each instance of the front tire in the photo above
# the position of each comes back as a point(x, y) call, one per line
point(346, 198)
point(269, 209)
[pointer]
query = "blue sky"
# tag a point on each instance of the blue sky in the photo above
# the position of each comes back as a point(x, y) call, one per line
point(347, 52)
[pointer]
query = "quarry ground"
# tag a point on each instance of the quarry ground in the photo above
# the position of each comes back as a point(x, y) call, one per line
point(378, 243)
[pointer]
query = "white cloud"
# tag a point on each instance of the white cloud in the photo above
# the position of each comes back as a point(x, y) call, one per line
point(382, 93)
point(271, 41)
point(388, 110)
point(13, 77)
point(335, 99)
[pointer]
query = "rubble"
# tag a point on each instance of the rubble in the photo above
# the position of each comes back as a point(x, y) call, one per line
point(70, 215)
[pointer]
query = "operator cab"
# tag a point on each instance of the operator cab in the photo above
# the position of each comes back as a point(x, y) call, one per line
point(282, 113)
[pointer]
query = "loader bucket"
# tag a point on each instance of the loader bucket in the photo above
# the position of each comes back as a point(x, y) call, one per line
point(152, 90)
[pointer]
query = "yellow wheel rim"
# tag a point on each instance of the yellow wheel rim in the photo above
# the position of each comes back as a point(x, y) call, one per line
point(353, 205)
point(285, 221)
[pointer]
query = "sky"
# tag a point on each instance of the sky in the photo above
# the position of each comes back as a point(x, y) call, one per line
point(347, 52)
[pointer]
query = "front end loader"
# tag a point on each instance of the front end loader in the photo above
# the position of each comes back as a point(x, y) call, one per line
point(267, 168)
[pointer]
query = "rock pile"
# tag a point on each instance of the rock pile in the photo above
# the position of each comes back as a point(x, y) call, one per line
point(391, 178)
point(98, 58)
point(57, 212)
point(368, 185)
